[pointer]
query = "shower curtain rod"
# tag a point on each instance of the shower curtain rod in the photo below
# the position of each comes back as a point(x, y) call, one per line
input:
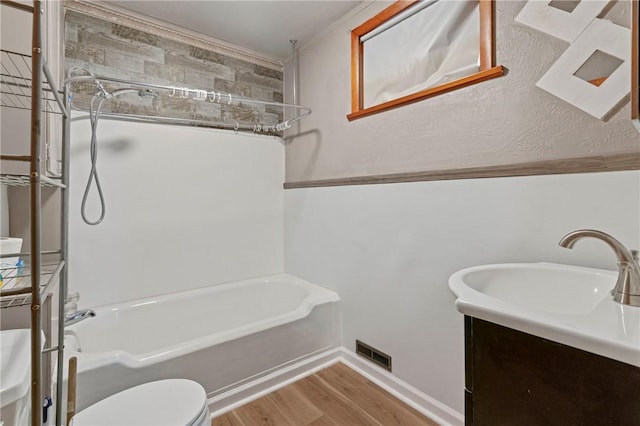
point(201, 95)
point(137, 118)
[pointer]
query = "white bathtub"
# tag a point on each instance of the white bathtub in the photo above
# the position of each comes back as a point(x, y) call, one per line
point(220, 336)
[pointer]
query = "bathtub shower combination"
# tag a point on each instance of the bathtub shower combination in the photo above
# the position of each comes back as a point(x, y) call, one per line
point(221, 336)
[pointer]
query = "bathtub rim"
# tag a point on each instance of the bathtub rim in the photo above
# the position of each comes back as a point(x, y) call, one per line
point(316, 295)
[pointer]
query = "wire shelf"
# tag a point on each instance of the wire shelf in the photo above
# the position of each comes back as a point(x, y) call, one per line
point(18, 280)
point(15, 84)
point(24, 180)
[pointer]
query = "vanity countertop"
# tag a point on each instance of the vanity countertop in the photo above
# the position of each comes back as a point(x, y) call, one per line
point(563, 303)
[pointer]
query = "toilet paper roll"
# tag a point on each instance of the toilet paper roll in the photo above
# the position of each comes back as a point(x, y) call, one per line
point(9, 265)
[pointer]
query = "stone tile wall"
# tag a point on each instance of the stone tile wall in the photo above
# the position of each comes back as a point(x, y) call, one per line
point(114, 50)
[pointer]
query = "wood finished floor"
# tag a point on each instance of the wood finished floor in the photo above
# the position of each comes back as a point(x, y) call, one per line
point(335, 396)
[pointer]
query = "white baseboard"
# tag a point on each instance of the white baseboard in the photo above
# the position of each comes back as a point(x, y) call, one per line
point(411, 396)
point(253, 390)
point(406, 393)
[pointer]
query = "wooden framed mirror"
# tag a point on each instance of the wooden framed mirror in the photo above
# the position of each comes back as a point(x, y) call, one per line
point(414, 50)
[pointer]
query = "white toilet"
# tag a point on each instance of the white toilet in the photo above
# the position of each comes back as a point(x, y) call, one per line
point(171, 402)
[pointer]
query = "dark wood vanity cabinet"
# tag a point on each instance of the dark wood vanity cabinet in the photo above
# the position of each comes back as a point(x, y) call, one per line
point(514, 378)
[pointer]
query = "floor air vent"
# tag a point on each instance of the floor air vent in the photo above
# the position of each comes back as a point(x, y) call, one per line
point(373, 355)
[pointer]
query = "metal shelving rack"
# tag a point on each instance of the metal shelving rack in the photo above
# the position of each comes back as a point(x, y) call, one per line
point(22, 87)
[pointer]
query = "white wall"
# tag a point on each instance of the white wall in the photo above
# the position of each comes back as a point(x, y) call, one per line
point(4, 211)
point(15, 36)
point(388, 250)
point(506, 120)
point(15, 29)
point(186, 207)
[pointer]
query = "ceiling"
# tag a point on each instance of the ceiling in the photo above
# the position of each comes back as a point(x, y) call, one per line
point(264, 27)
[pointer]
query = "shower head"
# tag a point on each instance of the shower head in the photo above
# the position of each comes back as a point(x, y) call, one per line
point(121, 92)
point(146, 93)
point(143, 93)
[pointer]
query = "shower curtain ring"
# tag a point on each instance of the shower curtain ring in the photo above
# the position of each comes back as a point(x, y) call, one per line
point(236, 127)
point(173, 92)
point(229, 103)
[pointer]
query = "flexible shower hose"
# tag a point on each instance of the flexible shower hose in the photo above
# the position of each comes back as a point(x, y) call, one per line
point(94, 115)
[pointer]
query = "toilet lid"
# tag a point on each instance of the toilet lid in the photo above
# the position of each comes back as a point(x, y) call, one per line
point(170, 402)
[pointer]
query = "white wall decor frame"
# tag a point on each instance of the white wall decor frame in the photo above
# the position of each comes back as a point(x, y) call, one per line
point(560, 80)
point(564, 25)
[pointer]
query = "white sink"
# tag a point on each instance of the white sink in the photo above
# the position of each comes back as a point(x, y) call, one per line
point(566, 304)
point(552, 288)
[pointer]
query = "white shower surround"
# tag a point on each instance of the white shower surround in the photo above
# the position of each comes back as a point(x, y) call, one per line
point(186, 207)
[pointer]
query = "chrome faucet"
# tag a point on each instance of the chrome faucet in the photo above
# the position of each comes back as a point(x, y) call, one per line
point(627, 289)
point(78, 316)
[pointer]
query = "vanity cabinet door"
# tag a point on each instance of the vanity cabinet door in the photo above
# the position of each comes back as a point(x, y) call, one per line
point(514, 378)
